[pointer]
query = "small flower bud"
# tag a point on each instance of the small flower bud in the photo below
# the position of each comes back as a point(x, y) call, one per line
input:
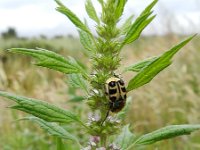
point(95, 139)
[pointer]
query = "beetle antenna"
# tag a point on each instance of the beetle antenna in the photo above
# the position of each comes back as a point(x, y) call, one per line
point(105, 117)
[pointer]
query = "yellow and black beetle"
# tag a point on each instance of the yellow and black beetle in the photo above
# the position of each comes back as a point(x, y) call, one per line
point(116, 94)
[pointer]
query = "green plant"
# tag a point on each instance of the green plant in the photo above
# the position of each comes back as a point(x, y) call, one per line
point(104, 53)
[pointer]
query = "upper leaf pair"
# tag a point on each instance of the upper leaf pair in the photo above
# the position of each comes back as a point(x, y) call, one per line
point(139, 24)
point(86, 36)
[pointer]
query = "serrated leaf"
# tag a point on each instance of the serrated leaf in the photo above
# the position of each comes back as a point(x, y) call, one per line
point(72, 17)
point(120, 8)
point(127, 25)
point(166, 133)
point(77, 81)
point(80, 66)
point(125, 138)
point(42, 109)
point(86, 41)
point(52, 60)
point(52, 128)
point(139, 65)
point(91, 11)
point(154, 67)
point(140, 23)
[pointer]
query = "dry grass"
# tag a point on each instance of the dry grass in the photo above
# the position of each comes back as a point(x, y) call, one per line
point(171, 98)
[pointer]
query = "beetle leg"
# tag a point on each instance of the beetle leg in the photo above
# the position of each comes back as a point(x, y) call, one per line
point(105, 117)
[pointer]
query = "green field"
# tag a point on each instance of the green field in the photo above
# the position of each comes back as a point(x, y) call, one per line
point(171, 98)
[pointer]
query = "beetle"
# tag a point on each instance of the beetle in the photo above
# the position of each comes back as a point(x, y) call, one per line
point(115, 92)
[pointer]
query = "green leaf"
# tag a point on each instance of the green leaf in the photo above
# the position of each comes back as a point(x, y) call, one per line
point(77, 99)
point(154, 67)
point(91, 11)
point(120, 8)
point(137, 27)
point(72, 17)
point(52, 128)
point(127, 25)
point(139, 65)
point(140, 23)
point(101, 2)
point(80, 66)
point(86, 41)
point(42, 109)
point(149, 7)
point(52, 60)
point(166, 133)
point(125, 138)
point(77, 81)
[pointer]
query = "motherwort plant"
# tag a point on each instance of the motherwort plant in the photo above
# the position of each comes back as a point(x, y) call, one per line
point(105, 91)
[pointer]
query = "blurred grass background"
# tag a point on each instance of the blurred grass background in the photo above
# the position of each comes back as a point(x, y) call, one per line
point(171, 98)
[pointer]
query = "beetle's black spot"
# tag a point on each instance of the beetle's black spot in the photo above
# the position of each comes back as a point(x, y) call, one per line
point(123, 89)
point(125, 96)
point(112, 91)
point(121, 82)
point(112, 83)
point(113, 98)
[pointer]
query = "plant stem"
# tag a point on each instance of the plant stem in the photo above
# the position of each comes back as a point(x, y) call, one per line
point(59, 144)
point(103, 140)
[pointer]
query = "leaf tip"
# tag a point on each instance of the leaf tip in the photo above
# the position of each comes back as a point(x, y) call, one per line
point(194, 35)
point(9, 50)
point(58, 2)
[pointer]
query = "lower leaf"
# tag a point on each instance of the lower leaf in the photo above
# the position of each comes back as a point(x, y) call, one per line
point(42, 109)
point(165, 133)
point(125, 138)
point(52, 128)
